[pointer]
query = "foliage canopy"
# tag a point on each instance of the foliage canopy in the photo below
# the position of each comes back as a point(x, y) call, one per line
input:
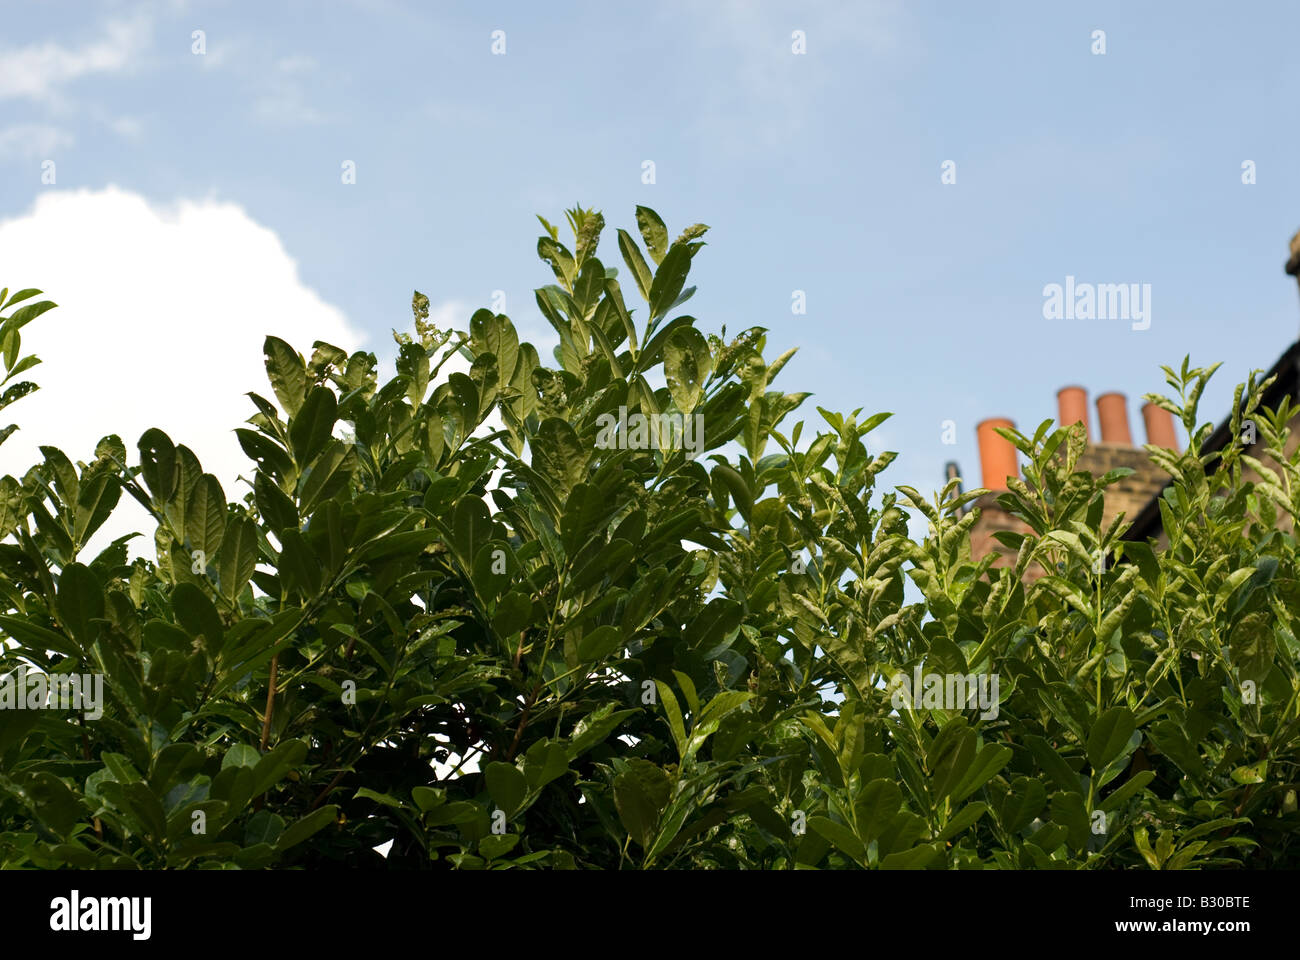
point(653, 658)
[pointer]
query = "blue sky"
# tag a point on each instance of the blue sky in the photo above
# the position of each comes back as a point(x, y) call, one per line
point(818, 172)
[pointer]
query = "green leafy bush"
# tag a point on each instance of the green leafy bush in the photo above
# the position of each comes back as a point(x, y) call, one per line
point(658, 649)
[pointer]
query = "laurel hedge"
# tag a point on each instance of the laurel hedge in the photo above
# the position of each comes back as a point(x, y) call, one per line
point(471, 617)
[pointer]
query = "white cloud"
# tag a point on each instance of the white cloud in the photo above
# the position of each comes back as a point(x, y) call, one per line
point(220, 51)
point(771, 91)
point(282, 100)
point(299, 63)
point(287, 106)
point(27, 141)
point(123, 125)
point(38, 71)
point(128, 127)
point(161, 318)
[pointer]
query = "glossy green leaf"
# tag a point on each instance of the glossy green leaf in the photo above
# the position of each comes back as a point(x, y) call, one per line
point(506, 785)
point(287, 372)
point(1109, 735)
point(205, 516)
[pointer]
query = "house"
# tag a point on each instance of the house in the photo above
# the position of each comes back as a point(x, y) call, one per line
point(1138, 494)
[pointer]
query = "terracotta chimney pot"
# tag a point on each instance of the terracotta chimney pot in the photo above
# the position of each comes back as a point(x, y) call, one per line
point(998, 456)
point(1072, 404)
point(1160, 427)
point(1112, 411)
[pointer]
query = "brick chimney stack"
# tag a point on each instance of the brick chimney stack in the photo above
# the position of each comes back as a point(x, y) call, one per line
point(1112, 411)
